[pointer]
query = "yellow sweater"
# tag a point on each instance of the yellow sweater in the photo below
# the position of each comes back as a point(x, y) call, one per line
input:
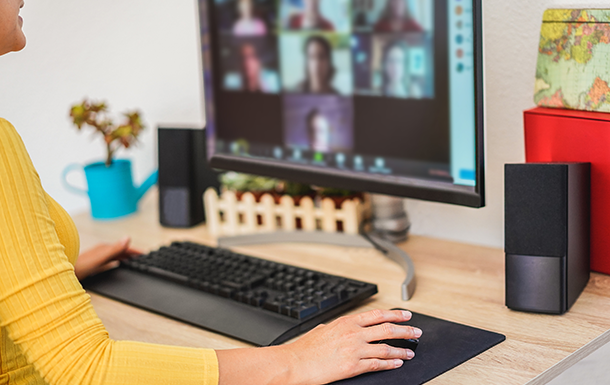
point(49, 332)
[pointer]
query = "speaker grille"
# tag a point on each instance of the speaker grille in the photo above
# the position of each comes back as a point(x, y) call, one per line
point(536, 209)
point(176, 207)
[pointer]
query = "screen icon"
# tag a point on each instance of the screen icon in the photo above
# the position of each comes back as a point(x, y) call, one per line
point(358, 163)
point(380, 167)
point(340, 159)
point(278, 152)
point(297, 154)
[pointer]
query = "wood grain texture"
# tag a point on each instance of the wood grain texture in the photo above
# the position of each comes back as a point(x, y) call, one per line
point(456, 282)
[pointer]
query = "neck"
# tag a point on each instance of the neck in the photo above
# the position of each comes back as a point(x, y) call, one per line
point(254, 84)
point(316, 85)
point(311, 15)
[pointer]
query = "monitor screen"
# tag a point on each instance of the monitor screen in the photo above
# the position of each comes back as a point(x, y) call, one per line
point(373, 95)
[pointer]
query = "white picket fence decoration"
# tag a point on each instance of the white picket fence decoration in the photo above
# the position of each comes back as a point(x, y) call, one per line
point(226, 215)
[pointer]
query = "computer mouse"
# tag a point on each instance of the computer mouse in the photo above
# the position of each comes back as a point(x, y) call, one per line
point(401, 343)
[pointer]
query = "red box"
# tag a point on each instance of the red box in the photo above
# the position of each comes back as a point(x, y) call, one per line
point(555, 135)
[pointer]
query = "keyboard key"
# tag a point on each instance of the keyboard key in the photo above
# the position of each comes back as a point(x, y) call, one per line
point(289, 286)
point(303, 311)
point(272, 306)
point(232, 284)
point(286, 310)
point(226, 292)
point(357, 284)
point(325, 302)
point(257, 301)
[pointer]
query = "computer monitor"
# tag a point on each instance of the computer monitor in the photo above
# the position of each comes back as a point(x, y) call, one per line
point(381, 96)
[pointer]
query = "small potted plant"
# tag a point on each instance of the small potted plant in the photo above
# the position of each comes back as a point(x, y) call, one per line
point(339, 196)
point(243, 183)
point(110, 183)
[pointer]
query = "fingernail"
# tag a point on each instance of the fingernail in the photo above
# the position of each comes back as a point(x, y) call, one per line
point(125, 240)
point(417, 332)
point(410, 354)
point(407, 315)
point(398, 363)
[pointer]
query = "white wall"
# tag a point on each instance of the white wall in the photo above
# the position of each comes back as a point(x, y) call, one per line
point(145, 54)
point(134, 54)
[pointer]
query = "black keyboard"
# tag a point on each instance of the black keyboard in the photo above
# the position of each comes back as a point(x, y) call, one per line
point(249, 298)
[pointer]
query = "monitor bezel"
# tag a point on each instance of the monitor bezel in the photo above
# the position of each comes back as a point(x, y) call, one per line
point(406, 187)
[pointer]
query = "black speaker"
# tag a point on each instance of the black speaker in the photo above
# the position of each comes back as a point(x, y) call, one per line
point(184, 175)
point(547, 211)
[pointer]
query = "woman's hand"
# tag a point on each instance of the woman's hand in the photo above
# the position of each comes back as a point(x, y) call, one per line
point(342, 348)
point(103, 257)
point(328, 353)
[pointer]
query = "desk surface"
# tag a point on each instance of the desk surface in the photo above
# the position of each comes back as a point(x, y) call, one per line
point(457, 282)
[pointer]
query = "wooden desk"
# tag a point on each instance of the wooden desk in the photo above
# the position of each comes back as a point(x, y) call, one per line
point(457, 282)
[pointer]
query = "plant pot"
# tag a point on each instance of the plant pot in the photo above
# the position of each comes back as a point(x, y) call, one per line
point(110, 188)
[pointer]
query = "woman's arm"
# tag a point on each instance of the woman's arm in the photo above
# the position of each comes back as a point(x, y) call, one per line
point(328, 353)
point(45, 310)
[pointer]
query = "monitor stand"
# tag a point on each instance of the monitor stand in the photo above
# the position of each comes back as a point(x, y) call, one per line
point(389, 219)
point(336, 239)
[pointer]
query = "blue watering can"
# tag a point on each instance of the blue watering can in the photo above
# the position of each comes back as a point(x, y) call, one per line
point(110, 189)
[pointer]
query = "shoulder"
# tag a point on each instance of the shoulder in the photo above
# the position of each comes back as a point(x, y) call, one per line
point(6, 127)
point(413, 26)
point(327, 25)
point(260, 25)
point(381, 26)
point(11, 144)
point(8, 134)
point(295, 21)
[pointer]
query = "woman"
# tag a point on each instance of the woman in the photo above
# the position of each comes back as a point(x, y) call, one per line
point(319, 67)
point(397, 18)
point(311, 18)
point(254, 76)
point(251, 69)
point(248, 24)
point(318, 131)
point(50, 334)
point(395, 77)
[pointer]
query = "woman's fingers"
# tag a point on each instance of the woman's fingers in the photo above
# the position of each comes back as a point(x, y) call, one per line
point(119, 247)
point(121, 250)
point(378, 365)
point(376, 317)
point(108, 266)
point(389, 331)
point(133, 252)
point(387, 352)
point(128, 254)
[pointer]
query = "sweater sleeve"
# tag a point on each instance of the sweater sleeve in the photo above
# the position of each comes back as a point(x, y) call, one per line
point(44, 308)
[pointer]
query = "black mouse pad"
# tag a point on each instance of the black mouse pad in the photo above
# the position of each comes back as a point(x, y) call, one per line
point(443, 346)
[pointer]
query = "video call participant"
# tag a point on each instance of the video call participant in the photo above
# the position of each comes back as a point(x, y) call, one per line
point(311, 18)
point(396, 17)
point(251, 69)
point(394, 70)
point(248, 24)
point(319, 67)
point(318, 131)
